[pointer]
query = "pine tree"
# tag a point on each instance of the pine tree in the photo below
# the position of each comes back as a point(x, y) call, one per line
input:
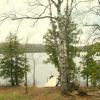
point(91, 69)
point(13, 62)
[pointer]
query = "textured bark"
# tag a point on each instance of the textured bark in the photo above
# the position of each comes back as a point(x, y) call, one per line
point(64, 45)
point(63, 65)
point(62, 51)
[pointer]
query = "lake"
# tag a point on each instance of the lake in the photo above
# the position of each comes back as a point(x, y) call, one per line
point(42, 70)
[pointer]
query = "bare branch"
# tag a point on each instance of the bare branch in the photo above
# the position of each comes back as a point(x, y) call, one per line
point(99, 2)
point(28, 17)
point(62, 1)
point(94, 25)
point(95, 39)
point(71, 4)
point(3, 17)
point(76, 4)
point(38, 5)
point(67, 8)
point(54, 2)
point(18, 25)
point(91, 36)
point(50, 9)
point(46, 7)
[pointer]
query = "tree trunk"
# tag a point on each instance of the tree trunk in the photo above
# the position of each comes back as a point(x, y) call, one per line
point(87, 80)
point(64, 66)
point(62, 52)
point(16, 70)
point(12, 81)
point(63, 44)
point(34, 73)
point(26, 87)
point(12, 78)
point(16, 78)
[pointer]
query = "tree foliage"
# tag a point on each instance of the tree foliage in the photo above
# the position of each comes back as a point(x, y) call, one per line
point(52, 42)
point(12, 62)
point(91, 69)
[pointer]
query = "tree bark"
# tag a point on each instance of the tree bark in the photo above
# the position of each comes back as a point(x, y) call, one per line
point(87, 80)
point(62, 51)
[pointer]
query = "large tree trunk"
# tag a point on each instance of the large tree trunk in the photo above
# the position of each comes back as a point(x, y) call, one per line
point(62, 22)
point(63, 65)
point(62, 52)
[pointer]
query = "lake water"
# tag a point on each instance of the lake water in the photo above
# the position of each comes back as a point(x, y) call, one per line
point(42, 70)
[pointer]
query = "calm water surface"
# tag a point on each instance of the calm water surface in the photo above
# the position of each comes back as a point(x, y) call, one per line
point(42, 70)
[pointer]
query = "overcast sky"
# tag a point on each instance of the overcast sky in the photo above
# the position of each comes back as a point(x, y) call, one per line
point(26, 28)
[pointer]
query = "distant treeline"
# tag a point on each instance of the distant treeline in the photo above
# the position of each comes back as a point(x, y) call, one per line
point(34, 48)
point(30, 48)
point(37, 48)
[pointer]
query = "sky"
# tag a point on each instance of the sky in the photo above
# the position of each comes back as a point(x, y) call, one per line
point(26, 29)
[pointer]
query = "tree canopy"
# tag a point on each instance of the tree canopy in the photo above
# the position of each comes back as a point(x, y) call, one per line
point(12, 61)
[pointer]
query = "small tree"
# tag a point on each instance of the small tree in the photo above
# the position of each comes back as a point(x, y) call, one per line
point(13, 61)
point(92, 69)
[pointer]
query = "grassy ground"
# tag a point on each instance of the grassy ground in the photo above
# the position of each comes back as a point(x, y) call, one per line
point(18, 93)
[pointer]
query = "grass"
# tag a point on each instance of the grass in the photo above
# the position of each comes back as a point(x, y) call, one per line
point(8, 93)
point(18, 93)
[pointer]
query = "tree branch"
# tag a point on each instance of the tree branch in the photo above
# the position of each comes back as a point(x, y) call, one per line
point(41, 14)
point(99, 2)
point(95, 39)
point(28, 17)
point(54, 2)
point(76, 4)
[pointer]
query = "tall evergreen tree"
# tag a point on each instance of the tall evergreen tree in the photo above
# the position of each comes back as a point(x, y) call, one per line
point(13, 62)
point(91, 69)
